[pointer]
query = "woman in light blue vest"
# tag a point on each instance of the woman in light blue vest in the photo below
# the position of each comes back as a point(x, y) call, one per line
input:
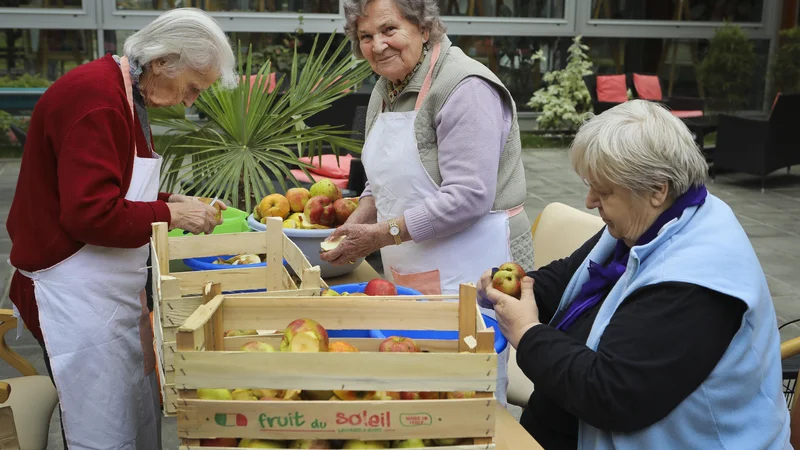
point(659, 332)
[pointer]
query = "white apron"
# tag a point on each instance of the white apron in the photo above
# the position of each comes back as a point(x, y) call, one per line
point(96, 326)
point(399, 182)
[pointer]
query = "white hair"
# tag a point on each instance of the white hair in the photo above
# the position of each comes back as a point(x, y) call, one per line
point(639, 145)
point(184, 37)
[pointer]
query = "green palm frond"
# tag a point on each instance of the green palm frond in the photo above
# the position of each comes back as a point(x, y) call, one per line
point(253, 136)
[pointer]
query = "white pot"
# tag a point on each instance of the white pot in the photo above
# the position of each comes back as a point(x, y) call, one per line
point(308, 241)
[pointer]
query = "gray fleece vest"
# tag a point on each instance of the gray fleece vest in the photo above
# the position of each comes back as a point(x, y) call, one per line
point(452, 67)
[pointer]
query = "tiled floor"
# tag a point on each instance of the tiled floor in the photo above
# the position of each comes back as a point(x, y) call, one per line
point(771, 219)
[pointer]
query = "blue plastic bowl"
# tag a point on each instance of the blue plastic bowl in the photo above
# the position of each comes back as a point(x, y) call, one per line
point(355, 288)
point(500, 341)
point(205, 263)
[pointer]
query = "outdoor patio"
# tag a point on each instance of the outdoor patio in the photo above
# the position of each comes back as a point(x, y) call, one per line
point(771, 220)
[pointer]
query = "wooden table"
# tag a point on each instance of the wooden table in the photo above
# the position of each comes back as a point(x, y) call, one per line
point(509, 433)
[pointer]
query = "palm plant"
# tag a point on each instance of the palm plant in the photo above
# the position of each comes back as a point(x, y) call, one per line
point(252, 134)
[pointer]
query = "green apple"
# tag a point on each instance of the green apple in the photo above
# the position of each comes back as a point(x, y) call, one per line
point(260, 443)
point(214, 394)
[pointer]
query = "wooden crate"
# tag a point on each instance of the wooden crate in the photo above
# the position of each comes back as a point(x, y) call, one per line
point(206, 359)
point(176, 295)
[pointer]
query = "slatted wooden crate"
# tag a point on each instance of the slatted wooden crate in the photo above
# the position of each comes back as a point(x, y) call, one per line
point(176, 295)
point(207, 359)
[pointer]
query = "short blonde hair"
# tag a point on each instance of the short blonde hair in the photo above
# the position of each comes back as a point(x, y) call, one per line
point(639, 145)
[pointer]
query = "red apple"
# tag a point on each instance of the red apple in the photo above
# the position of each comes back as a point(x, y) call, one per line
point(508, 279)
point(319, 211)
point(304, 336)
point(219, 442)
point(379, 286)
point(344, 207)
point(398, 344)
point(298, 197)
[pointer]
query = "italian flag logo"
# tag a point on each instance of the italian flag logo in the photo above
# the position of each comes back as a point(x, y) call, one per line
point(230, 420)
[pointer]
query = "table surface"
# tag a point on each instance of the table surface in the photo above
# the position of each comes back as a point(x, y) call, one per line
point(509, 434)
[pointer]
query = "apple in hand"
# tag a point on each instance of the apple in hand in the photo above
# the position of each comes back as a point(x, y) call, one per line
point(325, 187)
point(508, 279)
point(344, 207)
point(257, 346)
point(304, 336)
point(398, 344)
point(319, 211)
point(297, 197)
point(379, 286)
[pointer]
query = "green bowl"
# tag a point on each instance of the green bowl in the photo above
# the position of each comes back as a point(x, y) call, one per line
point(233, 221)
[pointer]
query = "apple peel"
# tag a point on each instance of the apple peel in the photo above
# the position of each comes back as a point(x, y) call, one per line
point(330, 245)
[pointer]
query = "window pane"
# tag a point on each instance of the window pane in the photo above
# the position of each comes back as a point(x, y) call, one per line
point(696, 10)
point(674, 60)
point(52, 4)
point(305, 6)
point(500, 8)
point(510, 58)
point(46, 54)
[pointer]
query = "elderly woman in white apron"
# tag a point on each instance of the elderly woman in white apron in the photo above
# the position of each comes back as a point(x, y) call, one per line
point(80, 282)
point(442, 157)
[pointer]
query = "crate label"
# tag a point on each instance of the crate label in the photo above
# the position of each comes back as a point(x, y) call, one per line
point(416, 420)
point(340, 422)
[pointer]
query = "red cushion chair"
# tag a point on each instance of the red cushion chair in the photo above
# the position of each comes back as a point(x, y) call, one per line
point(648, 87)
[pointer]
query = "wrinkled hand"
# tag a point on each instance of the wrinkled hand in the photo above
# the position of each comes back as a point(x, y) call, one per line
point(360, 241)
point(515, 317)
point(483, 283)
point(180, 198)
point(193, 216)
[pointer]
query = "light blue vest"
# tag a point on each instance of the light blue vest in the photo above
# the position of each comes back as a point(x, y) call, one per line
point(741, 404)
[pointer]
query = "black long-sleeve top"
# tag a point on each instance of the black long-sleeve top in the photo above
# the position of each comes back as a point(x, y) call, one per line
point(661, 344)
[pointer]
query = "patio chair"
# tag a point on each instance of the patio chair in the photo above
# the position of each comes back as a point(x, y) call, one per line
point(25, 413)
point(607, 91)
point(650, 87)
point(558, 231)
point(759, 146)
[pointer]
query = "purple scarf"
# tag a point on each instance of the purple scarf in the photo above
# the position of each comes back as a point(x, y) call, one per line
point(603, 278)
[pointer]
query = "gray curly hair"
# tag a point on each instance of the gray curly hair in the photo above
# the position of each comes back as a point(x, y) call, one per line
point(422, 13)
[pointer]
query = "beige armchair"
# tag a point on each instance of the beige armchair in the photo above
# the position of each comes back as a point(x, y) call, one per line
point(557, 232)
point(26, 403)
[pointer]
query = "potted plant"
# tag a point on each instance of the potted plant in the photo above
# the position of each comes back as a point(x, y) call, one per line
point(727, 71)
point(255, 135)
point(565, 99)
point(785, 71)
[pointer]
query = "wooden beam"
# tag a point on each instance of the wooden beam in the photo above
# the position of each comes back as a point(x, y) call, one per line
point(361, 371)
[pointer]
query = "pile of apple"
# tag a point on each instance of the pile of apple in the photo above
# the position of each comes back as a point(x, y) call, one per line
point(308, 336)
point(320, 207)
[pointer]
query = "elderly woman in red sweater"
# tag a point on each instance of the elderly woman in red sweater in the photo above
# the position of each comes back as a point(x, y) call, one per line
point(81, 218)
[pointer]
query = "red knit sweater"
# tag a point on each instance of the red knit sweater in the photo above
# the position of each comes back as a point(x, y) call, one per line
point(75, 172)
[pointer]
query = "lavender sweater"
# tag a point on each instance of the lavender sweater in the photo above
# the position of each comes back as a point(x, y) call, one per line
point(471, 129)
